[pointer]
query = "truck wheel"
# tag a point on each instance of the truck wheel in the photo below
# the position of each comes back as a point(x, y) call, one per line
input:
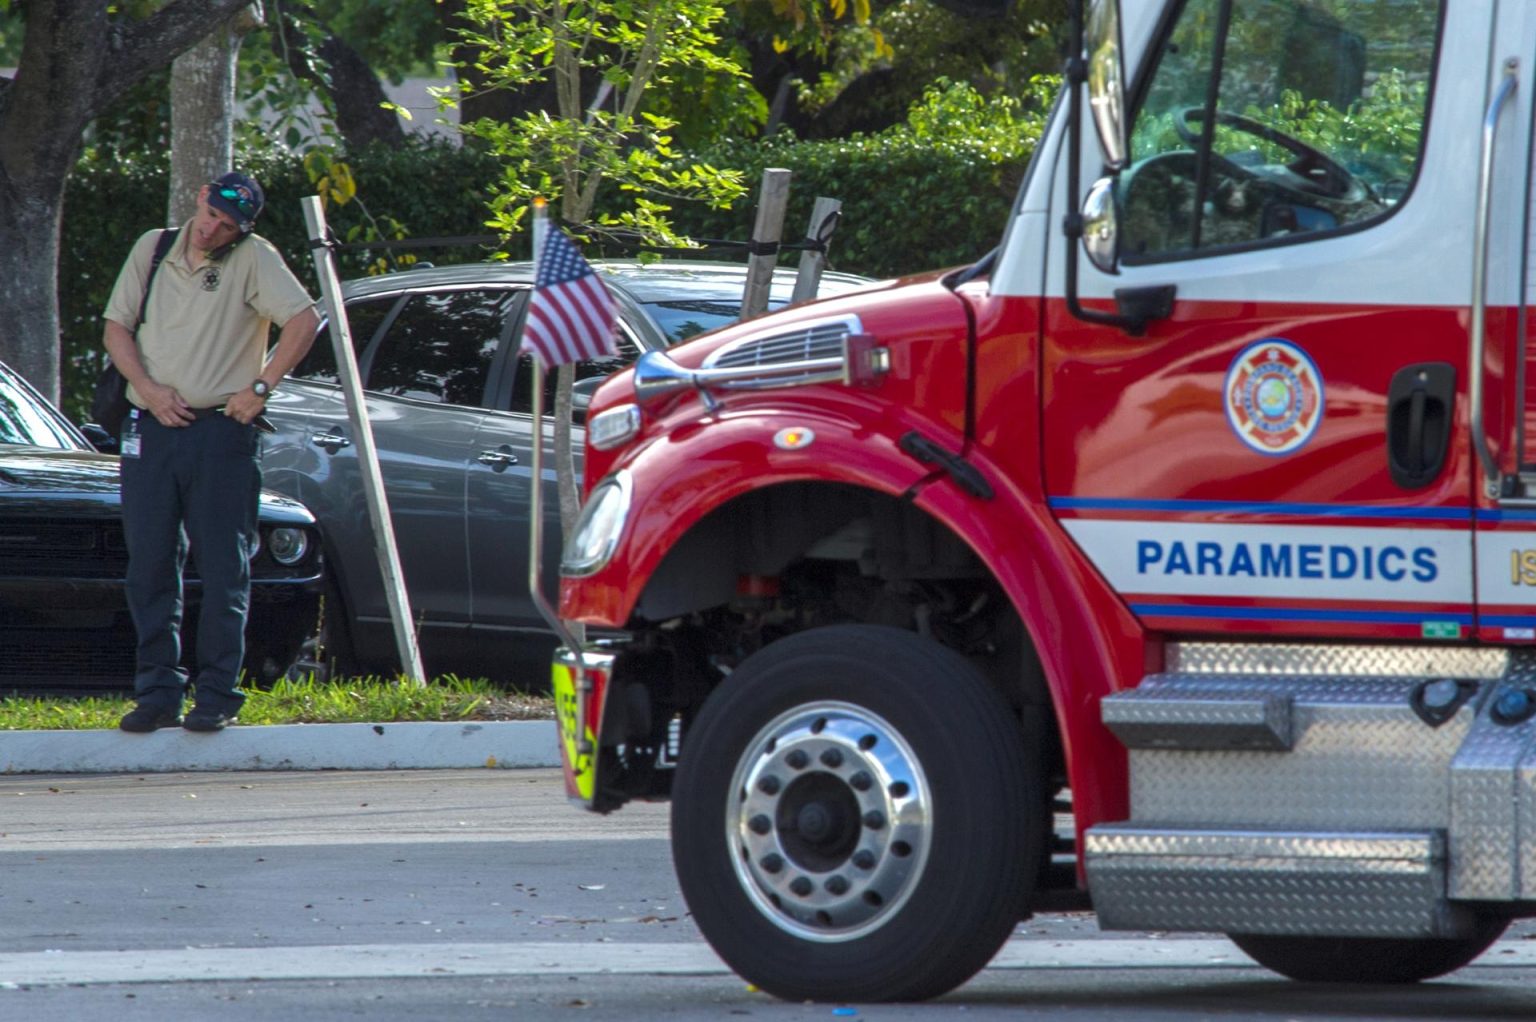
point(855, 817)
point(1368, 959)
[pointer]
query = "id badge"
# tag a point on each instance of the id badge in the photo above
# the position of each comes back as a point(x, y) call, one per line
point(131, 442)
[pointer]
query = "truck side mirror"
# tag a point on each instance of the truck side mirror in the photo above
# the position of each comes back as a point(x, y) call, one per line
point(1106, 80)
point(1101, 226)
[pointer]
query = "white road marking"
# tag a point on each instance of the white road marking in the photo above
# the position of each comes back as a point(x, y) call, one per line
point(399, 961)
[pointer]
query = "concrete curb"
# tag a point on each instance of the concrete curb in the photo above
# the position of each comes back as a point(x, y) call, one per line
point(423, 746)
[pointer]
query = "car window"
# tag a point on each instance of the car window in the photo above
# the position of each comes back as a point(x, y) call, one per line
point(363, 318)
point(522, 385)
point(23, 420)
point(681, 320)
point(440, 346)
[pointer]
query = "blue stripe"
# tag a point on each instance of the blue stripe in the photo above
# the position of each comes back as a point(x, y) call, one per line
point(1250, 507)
point(1508, 621)
point(1505, 515)
point(1298, 614)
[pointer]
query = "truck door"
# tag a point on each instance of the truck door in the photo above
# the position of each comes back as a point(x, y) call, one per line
point(1504, 406)
point(1283, 450)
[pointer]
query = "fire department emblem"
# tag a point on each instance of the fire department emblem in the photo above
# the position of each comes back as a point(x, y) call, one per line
point(1274, 396)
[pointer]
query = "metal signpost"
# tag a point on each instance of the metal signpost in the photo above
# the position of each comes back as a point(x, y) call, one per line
point(367, 453)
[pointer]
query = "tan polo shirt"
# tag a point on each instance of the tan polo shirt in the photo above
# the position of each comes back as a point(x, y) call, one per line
point(206, 329)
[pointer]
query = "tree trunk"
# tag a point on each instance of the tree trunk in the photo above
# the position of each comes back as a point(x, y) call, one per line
point(76, 58)
point(348, 81)
point(359, 97)
point(30, 213)
point(203, 112)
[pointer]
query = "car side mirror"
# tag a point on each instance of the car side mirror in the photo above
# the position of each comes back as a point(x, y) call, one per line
point(581, 394)
point(99, 438)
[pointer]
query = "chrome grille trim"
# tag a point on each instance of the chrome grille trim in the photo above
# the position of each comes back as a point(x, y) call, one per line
point(817, 340)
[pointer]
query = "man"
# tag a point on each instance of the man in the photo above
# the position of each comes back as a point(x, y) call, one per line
point(198, 376)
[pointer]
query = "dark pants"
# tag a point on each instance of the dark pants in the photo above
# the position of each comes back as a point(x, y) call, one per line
point(191, 489)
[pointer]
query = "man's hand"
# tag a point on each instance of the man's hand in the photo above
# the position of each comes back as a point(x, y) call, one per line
point(165, 404)
point(244, 406)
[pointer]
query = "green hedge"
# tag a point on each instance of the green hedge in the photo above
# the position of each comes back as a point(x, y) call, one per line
point(907, 206)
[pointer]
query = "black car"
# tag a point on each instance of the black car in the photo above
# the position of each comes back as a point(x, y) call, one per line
point(449, 401)
point(64, 622)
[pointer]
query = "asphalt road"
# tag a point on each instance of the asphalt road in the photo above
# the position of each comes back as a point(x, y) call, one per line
point(480, 894)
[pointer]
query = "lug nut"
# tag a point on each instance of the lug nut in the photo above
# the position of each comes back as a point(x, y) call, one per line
point(769, 785)
point(861, 781)
point(832, 758)
point(772, 862)
point(836, 885)
point(864, 859)
point(760, 824)
point(797, 759)
point(802, 886)
point(874, 819)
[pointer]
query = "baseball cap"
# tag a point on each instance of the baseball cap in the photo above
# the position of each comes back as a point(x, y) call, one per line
point(239, 196)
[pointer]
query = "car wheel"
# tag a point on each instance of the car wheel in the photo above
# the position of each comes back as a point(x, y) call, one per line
point(334, 655)
point(1368, 959)
point(855, 817)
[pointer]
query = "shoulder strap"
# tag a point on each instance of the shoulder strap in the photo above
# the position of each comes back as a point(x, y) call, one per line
point(162, 246)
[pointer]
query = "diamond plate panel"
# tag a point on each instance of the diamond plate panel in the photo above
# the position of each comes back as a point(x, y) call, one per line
point(1525, 786)
point(1485, 810)
point(1329, 884)
point(1416, 662)
point(1160, 717)
point(1360, 759)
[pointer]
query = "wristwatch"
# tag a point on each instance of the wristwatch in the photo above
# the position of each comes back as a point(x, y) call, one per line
point(261, 388)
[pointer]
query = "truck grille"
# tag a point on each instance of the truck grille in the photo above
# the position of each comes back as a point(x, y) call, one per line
point(818, 340)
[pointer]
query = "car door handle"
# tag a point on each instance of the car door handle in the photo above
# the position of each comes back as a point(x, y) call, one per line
point(500, 459)
point(332, 442)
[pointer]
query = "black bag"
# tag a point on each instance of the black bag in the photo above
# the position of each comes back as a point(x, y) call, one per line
point(109, 400)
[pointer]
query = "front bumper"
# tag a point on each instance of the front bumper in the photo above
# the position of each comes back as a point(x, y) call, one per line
point(580, 688)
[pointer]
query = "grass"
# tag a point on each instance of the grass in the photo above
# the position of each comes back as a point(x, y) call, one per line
point(304, 701)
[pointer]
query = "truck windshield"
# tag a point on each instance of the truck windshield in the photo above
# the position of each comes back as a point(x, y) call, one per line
point(1318, 111)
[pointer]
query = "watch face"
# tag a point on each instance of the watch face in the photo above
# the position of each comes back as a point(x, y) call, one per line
point(261, 388)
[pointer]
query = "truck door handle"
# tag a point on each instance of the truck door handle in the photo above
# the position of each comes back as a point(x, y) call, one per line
point(332, 442)
point(1419, 404)
point(500, 459)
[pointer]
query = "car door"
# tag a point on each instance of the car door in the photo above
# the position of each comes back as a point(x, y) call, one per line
point(425, 375)
point(1283, 450)
point(499, 480)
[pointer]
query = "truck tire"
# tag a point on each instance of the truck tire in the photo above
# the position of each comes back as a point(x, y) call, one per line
point(1368, 959)
point(855, 817)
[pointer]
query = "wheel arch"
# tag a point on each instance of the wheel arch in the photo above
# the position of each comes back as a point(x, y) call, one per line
point(895, 559)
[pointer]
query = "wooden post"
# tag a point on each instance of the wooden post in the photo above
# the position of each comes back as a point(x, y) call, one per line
point(374, 497)
point(824, 217)
point(769, 229)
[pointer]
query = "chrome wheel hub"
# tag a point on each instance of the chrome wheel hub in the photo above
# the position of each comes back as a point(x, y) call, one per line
point(830, 820)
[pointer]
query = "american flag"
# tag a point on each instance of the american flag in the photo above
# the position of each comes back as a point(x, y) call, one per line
point(571, 314)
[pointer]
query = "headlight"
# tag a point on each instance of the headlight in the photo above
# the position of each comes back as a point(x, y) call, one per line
point(597, 532)
point(613, 427)
point(288, 546)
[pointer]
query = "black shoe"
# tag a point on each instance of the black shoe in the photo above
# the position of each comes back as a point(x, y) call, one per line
point(143, 719)
point(202, 719)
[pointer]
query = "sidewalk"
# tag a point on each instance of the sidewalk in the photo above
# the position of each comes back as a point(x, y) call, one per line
point(424, 746)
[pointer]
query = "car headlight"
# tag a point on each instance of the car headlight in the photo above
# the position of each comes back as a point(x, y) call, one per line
point(597, 532)
point(288, 546)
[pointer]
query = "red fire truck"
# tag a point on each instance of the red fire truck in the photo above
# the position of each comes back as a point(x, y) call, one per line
point(1201, 513)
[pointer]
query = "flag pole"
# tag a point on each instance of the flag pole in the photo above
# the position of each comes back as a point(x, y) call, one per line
point(536, 512)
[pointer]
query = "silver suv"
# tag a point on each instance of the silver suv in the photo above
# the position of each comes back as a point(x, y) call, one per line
point(449, 402)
